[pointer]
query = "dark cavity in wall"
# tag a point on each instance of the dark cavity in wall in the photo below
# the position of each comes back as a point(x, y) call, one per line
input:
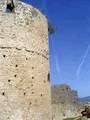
point(32, 67)
point(24, 93)
point(15, 75)
point(9, 80)
point(4, 56)
point(48, 77)
point(26, 58)
point(16, 65)
point(32, 77)
point(3, 93)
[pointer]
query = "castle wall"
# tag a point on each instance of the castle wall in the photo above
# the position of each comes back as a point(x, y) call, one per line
point(24, 65)
point(65, 102)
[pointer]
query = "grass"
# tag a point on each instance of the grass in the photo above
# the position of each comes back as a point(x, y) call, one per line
point(69, 119)
point(76, 118)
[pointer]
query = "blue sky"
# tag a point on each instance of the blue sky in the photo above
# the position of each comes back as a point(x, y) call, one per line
point(70, 45)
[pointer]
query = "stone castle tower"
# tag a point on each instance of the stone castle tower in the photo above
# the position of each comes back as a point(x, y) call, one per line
point(24, 65)
point(65, 102)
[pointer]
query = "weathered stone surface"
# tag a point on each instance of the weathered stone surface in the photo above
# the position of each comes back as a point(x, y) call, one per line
point(24, 67)
point(65, 102)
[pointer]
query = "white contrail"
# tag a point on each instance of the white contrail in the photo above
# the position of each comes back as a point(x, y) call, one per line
point(82, 61)
point(57, 65)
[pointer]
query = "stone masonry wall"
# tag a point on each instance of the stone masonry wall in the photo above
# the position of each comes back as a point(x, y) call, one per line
point(24, 66)
point(65, 102)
